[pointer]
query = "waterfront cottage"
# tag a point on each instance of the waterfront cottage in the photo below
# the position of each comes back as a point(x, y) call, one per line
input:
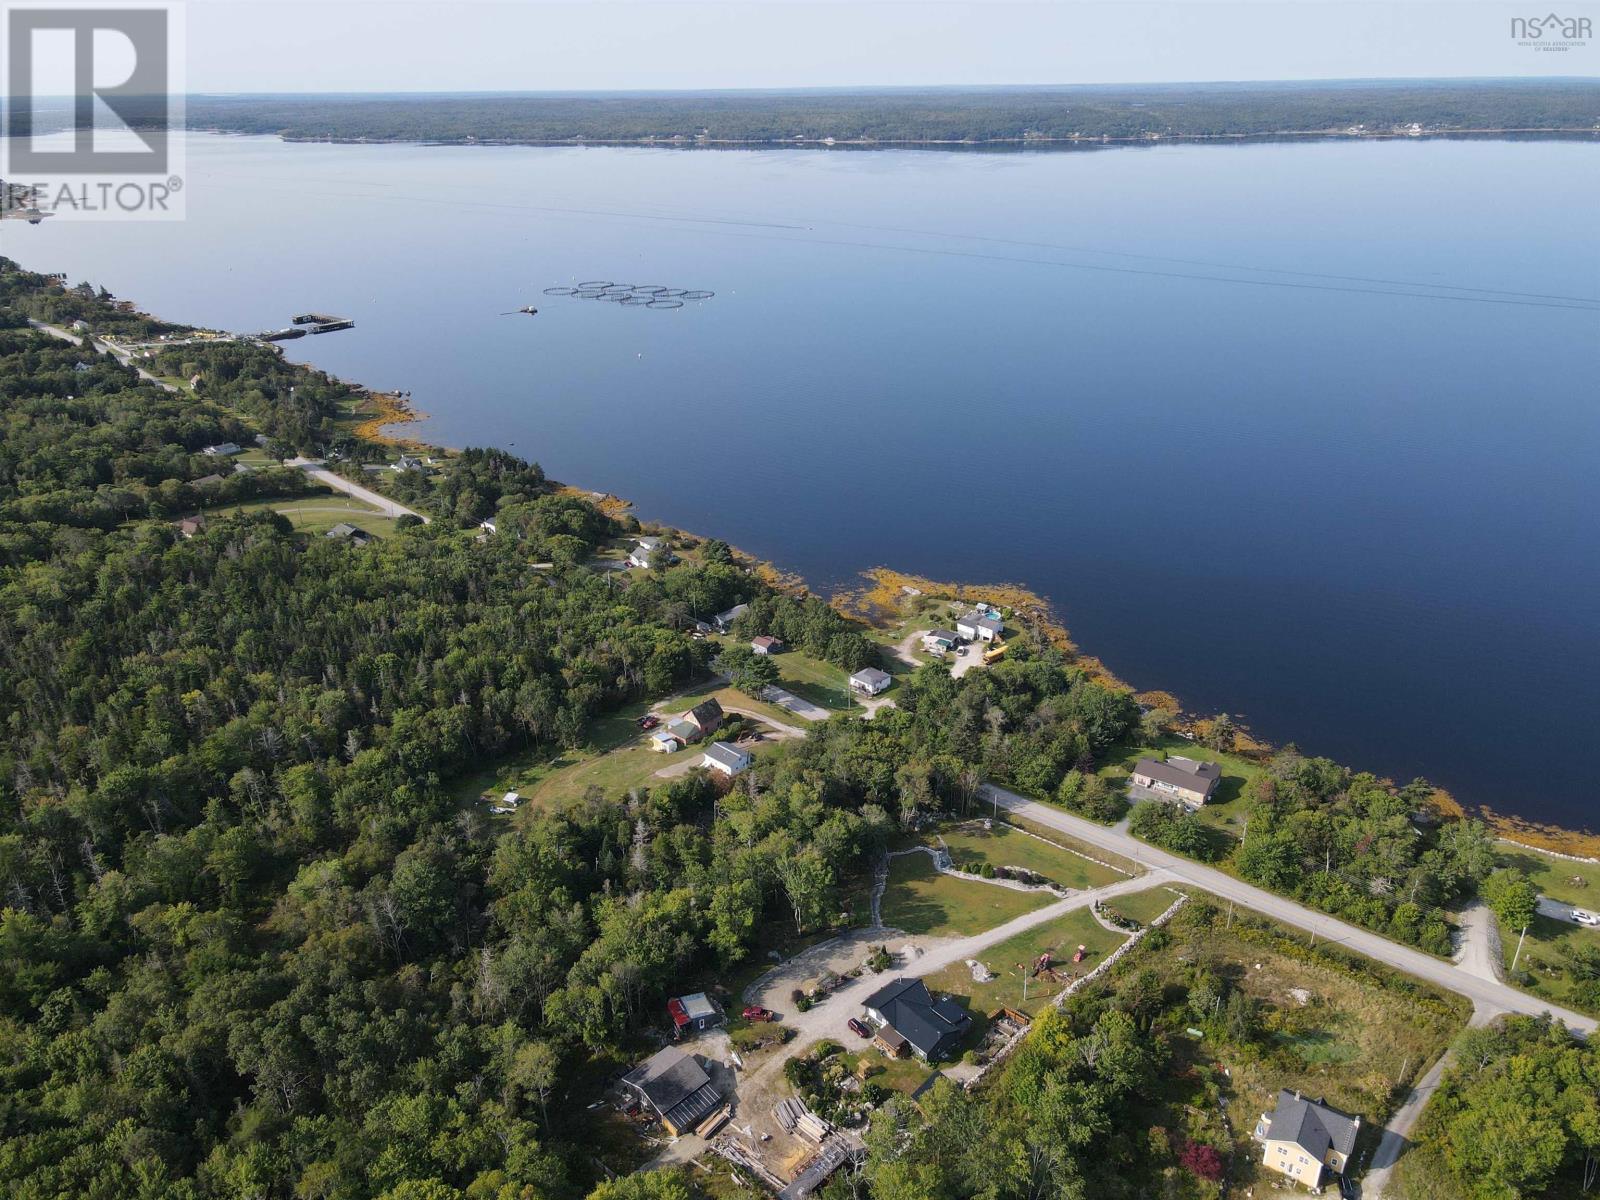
point(643, 549)
point(1304, 1139)
point(1186, 780)
point(980, 627)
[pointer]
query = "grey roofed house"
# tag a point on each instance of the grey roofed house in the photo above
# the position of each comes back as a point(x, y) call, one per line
point(723, 620)
point(1313, 1126)
point(1188, 777)
point(674, 1084)
point(871, 680)
point(354, 533)
point(992, 624)
point(730, 759)
point(932, 1027)
point(205, 481)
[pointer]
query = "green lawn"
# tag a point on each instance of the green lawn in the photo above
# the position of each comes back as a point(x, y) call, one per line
point(316, 514)
point(1003, 845)
point(1576, 883)
point(1544, 956)
point(1144, 906)
point(1226, 809)
point(1126, 865)
point(1012, 960)
point(814, 680)
point(922, 901)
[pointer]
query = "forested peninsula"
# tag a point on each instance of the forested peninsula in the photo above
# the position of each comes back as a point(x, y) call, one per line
point(998, 117)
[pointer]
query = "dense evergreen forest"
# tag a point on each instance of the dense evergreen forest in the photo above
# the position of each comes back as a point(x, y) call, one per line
point(910, 116)
point(255, 944)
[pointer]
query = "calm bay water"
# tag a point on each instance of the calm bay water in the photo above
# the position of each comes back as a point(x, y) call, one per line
point(1170, 388)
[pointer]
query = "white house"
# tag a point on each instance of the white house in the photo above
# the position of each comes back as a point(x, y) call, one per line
point(871, 681)
point(728, 759)
point(767, 644)
point(980, 627)
point(643, 548)
point(407, 462)
point(223, 450)
point(937, 641)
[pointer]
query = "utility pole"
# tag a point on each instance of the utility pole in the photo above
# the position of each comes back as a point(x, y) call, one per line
point(1518, 954)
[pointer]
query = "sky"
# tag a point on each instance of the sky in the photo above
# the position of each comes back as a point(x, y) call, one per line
point(531, 45)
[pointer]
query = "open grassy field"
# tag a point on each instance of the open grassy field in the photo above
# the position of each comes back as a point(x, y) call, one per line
point(317, 514)
point(1544, 957)
point(814, 680)
point(1226, 809)
point(615, 757)
point(1144, 906)
point(1125, 865)
point(1576, 883)
point(1003, 845)
point(1012, 961)
point(921, 900)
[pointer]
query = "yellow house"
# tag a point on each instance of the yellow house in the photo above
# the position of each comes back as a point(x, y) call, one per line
point(1304, 1139)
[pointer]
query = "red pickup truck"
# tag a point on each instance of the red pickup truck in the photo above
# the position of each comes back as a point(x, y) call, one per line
point(754, 1012)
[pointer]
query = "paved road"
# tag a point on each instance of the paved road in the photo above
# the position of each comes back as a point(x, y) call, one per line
point(391, 508)
point(121, 355)
point(1484, 993)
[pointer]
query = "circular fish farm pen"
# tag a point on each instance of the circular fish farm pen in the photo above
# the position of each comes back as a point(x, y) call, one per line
point(632, 295)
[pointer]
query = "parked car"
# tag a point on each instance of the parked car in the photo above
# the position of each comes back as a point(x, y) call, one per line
point(859, 1027)
point(754, 1012)
point(1584, 917)
point(961, 651)
point(649, 721)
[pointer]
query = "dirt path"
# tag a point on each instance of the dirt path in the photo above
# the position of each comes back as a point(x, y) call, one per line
point(386, 506)
point(1397, 1133)
point(1479, 951)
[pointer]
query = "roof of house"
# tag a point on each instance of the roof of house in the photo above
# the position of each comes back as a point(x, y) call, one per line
point(1312, 1125)
point(913, 1013)
point(766, 641)
point(665, 734)
point(684, 731)
point(871, 676)
point(733, 614)
point(731, 757)
point(205, 480)
point(346, 530)
point(1187, 773)
point(697, 1006)
point(676, 1085)
point(648, 543)
point(707, 712)
point(984, 621)
point(940, 635)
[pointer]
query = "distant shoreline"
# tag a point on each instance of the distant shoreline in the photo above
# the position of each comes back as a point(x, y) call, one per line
point(1086, 142)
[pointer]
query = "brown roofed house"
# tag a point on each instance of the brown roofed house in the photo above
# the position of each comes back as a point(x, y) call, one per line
point(1187, 780)
point(705, 716)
